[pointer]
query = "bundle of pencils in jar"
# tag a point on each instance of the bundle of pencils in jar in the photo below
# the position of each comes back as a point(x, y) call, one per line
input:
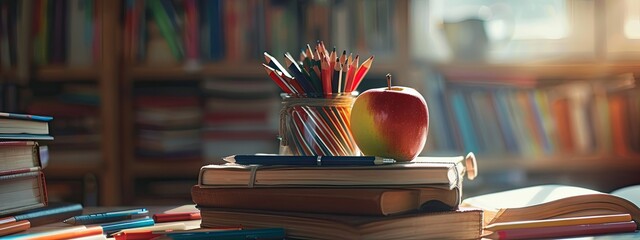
point(319, 91)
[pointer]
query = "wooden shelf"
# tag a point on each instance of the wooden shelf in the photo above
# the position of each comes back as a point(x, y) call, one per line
point(541, 71)
point(64, 73)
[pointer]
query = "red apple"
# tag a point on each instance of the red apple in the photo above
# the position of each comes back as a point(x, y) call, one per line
point(390, 122)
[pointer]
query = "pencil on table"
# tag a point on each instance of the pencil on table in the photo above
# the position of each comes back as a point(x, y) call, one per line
point(362, 71)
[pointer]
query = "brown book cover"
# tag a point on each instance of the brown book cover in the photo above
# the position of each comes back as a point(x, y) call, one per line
point(464, 223)
point(353, 201)
point(447, 172)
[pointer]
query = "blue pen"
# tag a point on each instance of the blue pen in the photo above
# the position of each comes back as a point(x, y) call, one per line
point(265, 159)
point(109, 228)
point(107, 216)
point(265, 233)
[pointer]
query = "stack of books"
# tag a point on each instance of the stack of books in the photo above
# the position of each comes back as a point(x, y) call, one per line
point(354, 201)
point(22, 184)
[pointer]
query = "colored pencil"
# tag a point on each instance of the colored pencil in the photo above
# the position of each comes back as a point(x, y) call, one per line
point(351, 74)
point(362, 71)
point(286, 87)
point(273, 63)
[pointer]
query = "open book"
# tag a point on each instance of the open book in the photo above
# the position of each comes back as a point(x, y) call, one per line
point(555, 201)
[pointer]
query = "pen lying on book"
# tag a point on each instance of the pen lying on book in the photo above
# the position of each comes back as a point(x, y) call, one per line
point(267, 159)
point(107, 216)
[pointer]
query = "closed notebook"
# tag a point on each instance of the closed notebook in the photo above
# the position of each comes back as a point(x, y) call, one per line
point(446, 172)
point(460, 224)
point(548, 202)
point(11, 123)
point(354, 201)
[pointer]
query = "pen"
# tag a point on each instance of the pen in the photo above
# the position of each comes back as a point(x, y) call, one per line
point(106, 216)
point(170, 217)
point(110, 228)
point(308, 160)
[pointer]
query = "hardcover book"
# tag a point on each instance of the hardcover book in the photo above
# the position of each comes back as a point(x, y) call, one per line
point(460, 224)
point(22, 191)
point(19, 157)
point(446, 172)
point(352, 201)
point(11, 123)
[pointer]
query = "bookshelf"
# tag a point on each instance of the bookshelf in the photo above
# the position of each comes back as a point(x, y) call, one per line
point(58, 86)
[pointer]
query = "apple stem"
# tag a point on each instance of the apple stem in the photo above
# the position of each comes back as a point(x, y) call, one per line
point(389, 81)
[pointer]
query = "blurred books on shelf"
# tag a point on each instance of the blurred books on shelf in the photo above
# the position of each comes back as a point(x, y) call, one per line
point(511, 119)
point(241, 116)
point(77, 125)
point(65, 32)
point(168, 122)
point(191, 32)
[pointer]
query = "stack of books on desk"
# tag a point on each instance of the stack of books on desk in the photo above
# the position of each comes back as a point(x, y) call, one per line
point(22, 185)
point(388, 201)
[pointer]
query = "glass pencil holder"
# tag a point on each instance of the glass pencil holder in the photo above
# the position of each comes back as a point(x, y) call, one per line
point(317, 126)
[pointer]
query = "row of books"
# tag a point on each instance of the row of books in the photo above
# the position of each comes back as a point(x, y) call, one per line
point(582, 117)
point(77, 125)
point(63, 32)
point(168, 31)
point(207, 120)
point(168, 120)
point(240, 116)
